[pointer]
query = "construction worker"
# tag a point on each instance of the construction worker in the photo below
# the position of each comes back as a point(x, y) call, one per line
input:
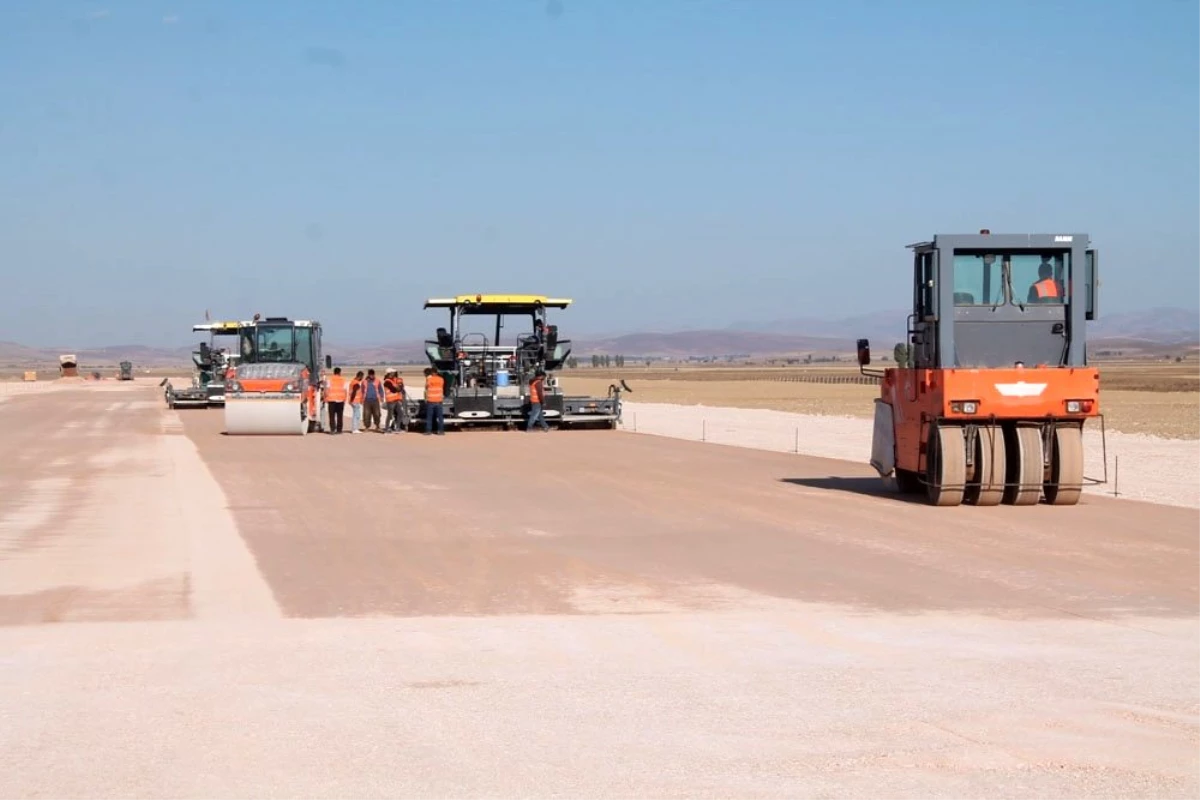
point(356, 402)
point(537, 393)
point(372, 398)
point(335, 398)
point(1046, 289)
point(435, 386)
point(310, 393)
point(396, 399)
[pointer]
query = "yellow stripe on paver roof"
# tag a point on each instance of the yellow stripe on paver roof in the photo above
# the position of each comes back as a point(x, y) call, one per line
point(499, 299)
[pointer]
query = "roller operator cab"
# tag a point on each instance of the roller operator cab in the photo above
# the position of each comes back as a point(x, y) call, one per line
point(491, 350)
point(273, 387)
point(988, 398)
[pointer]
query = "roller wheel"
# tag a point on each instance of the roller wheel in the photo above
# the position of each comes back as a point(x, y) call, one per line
point(986, 487)
point(908, 482)
point(945, 466)
point(1065, 481)
point(1025, 468)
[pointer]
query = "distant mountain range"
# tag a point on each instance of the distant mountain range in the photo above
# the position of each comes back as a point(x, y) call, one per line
point(1150, 330)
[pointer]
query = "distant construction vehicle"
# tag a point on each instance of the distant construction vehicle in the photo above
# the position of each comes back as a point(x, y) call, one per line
point(487, 379)
point(126, 373)
point(989, 397)
point(274, 387)
point(214, 362)
point(68, 366)
point(209, 365)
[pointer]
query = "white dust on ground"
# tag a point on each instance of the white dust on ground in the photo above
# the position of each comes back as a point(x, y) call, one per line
point(777, 700)
point(129, 512)
point(10, 389)
point(225, 580)
point(1156, 470)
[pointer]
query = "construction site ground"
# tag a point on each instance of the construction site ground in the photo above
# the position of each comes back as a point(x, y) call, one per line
point(573, 614)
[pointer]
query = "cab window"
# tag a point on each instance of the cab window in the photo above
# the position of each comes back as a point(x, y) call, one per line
point(978, 280)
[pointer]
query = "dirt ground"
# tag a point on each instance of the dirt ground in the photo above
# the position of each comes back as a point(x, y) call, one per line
point(1167, 414)
point(563, 615)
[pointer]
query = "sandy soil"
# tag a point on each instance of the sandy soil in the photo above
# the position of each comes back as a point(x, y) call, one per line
point(108, 513)
point(564, 615)
point(1164, 414)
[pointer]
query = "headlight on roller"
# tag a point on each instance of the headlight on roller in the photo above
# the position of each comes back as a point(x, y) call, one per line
point(964, 406)
point(1079, 406)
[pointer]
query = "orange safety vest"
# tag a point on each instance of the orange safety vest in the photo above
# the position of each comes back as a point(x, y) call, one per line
point(391, 390)
point(434, 386)
point(1047, 287)
point(335, 392)
point(356, 399)
point(535, 390)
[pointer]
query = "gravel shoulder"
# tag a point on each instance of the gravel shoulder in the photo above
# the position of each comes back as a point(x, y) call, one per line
point(780, 701)
point(1172, 415)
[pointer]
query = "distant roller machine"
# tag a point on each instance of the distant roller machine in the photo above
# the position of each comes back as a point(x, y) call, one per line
point(989, 396)
point(487, 374)
point(273, 387)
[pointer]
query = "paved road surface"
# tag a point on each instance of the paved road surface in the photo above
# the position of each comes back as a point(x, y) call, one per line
point(565, 614)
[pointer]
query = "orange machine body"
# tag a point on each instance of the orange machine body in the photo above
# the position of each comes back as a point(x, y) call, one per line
point(919, 397)
point(278, 385)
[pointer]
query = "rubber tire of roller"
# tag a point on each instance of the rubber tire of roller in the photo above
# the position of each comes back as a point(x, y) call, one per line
point(946, 465)
point(1066, 466)
point(986, 487)
point(1025, 465)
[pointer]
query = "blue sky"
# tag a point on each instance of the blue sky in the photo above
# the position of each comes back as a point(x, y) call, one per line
point(667, 164)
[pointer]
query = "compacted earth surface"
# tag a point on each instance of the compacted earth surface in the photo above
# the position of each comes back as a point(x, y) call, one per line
point(572, 614)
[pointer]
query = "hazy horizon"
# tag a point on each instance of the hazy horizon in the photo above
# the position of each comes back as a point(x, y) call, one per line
point(668, 165)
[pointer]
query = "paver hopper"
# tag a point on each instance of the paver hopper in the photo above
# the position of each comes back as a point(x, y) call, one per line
point(990, 394)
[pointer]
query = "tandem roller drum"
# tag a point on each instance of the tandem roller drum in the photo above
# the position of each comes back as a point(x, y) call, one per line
point(264, 417)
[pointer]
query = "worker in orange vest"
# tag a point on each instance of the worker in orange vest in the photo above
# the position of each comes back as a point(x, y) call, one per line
point(335, 399)
point(435, 387)
point(1046, 288)
point(356, 402)
point(310, 394)
point(537, 396)
point(396, 399)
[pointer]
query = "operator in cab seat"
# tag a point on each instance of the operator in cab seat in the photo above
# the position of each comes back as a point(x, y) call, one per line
point(531, 346)
point(1046, 290)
